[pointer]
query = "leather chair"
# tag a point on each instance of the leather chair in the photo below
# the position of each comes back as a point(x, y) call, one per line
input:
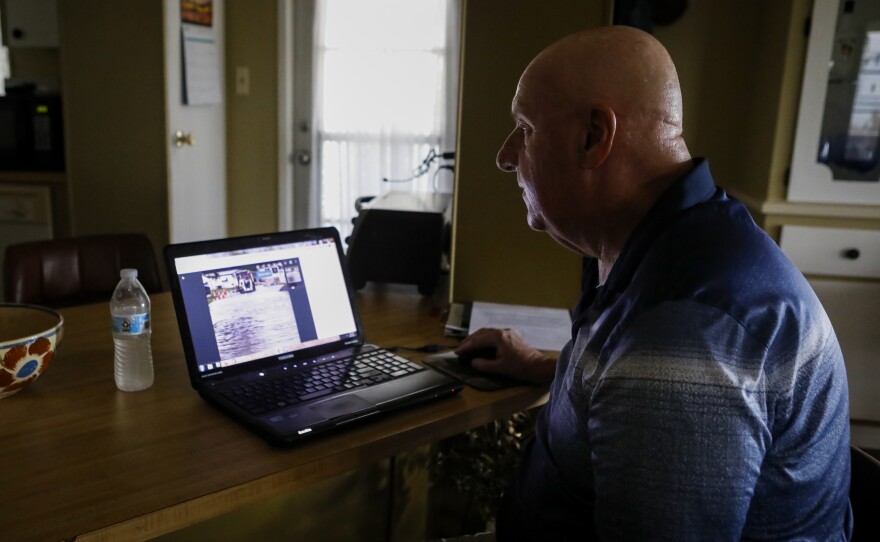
point(864, 495)
point(79, 270)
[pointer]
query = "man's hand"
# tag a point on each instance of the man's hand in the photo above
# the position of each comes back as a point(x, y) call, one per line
point(513, 357)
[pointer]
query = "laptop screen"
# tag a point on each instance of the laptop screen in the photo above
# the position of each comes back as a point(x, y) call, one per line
point(245, 303)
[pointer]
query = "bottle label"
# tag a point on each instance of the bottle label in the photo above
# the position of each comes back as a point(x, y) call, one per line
point(131, 325)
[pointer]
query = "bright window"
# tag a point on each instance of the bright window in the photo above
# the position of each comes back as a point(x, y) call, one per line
point(384, 97)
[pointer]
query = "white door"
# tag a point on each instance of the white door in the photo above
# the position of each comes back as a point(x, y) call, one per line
point(196, 159)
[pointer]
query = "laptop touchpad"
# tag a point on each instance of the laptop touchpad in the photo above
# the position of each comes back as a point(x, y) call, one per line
point(341, 406)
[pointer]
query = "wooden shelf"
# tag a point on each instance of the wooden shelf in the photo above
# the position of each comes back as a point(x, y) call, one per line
point(794, 208)
point(821, 210)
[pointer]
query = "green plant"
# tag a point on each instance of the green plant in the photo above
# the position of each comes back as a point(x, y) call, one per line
point(480, 463)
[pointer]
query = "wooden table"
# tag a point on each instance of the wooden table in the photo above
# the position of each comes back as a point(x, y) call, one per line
point(81, 460)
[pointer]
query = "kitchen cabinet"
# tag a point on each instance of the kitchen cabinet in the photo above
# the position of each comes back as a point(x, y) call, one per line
point(31, 23)
point(835, 166)
point(25, 215)
point(828, 223)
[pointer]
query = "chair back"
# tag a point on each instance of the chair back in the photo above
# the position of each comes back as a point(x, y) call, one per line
point(78, 270)
point(864, 495)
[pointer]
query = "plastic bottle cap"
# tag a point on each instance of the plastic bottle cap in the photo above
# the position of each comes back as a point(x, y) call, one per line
point(128, 273)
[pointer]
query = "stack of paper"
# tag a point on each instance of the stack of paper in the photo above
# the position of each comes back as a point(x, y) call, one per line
point(544, 328)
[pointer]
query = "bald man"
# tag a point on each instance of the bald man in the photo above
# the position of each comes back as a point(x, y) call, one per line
point(703, 394)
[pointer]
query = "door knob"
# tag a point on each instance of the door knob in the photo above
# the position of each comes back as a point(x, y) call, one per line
point(181, 139)
point(304, 157)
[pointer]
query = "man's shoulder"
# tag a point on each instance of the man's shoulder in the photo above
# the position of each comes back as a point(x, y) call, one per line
point(715, 255)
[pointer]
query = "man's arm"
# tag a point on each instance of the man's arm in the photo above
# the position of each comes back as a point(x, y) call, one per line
point(678, 426)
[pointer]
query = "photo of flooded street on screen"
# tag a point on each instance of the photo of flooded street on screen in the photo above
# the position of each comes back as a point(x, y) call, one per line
point(251, 310)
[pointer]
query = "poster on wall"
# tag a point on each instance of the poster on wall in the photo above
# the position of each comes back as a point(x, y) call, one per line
point(201, 66)
point(200, 12)
point(200, 57)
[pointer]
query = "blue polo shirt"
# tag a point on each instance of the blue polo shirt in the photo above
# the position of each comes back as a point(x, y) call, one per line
point(703, 395)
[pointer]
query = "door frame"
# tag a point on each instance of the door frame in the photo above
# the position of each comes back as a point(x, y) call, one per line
point(295, 181)
point(285, 116)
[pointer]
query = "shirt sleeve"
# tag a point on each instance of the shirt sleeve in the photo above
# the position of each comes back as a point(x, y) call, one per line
point(679, 424)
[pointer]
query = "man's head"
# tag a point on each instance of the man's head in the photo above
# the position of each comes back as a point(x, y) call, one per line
point(598, 137)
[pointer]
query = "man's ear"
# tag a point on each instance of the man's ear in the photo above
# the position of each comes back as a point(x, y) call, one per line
point(601, 127)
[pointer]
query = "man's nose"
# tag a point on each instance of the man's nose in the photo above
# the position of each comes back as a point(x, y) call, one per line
point(506, 158)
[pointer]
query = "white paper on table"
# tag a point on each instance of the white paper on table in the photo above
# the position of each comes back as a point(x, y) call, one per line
point(542, 327)
point(201, 66)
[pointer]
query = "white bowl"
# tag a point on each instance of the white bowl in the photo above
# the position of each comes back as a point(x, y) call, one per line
point(29, 336)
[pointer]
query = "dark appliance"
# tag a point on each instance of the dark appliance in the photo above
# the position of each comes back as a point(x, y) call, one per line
point(399, 237)
point(31, 132)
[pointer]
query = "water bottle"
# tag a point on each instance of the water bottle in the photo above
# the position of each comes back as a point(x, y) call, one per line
point(130, 313)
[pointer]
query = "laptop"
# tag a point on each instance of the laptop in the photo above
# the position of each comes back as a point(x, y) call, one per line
point(272, 336)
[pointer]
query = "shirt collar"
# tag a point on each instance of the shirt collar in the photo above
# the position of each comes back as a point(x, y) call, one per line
point(695, 187)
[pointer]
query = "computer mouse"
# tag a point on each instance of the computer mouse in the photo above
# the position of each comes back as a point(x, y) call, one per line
point(468, 356)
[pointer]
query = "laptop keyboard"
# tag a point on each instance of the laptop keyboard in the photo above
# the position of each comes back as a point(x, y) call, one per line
point(365, 369)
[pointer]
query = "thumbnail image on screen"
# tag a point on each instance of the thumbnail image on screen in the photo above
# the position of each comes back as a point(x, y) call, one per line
point(251, 309)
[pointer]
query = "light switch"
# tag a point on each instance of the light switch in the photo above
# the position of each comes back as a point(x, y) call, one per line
point(242, 81)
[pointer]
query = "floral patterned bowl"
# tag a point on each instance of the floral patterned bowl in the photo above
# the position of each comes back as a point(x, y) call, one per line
point(28, 337)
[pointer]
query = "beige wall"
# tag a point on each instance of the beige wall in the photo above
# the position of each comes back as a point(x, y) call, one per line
point(496, 257)
point(740, 65)
point(115, 116)
point(114, 102)
point(251, 120)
